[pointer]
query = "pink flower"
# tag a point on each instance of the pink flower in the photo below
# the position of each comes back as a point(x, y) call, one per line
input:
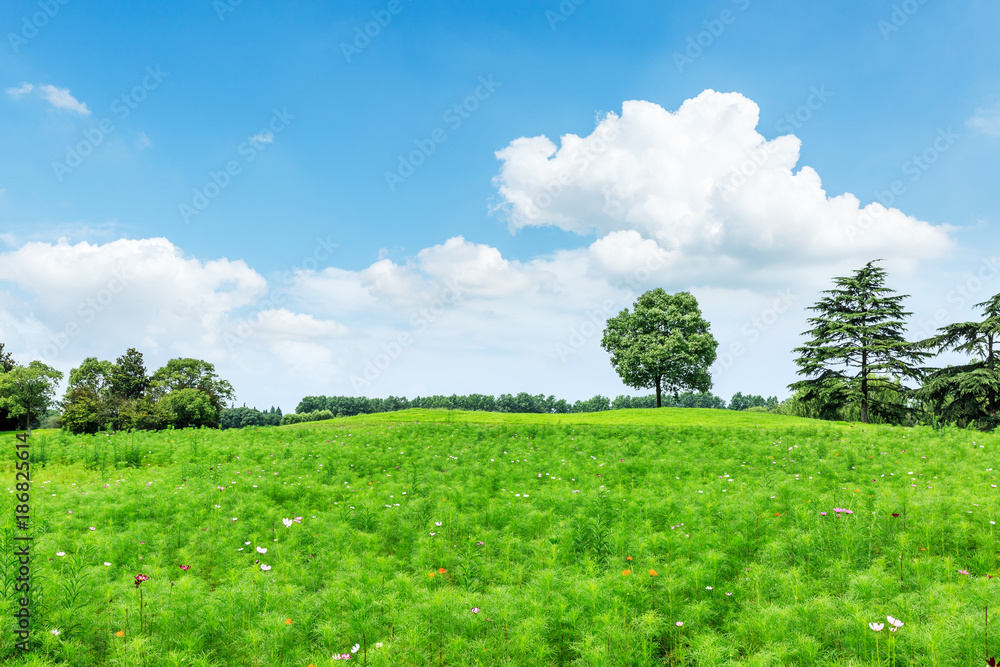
point(475, 610)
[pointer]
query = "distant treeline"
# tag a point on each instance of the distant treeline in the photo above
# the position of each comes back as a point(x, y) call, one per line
point(240, 417)
point(314, 408)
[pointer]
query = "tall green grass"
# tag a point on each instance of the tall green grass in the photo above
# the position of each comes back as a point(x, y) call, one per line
point(551, 526)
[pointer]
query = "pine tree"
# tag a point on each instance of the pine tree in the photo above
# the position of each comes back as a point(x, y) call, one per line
point(128, 376)
point(860, 325)
point(967, 393)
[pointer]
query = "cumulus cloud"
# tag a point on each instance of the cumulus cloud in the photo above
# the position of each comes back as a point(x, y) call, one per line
point(59, 98)
point(711, 191)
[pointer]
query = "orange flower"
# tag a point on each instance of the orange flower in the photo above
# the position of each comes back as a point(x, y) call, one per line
point(628, 558)
point(430, 574)
point(288, 621)
point(120, 633)
point(652, 573)
point(777, 514)
point(625, 573)
point(441, 570)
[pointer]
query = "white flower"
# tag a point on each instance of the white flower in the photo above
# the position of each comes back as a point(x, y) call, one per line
point(265, 567)
point(60, 553)
point(288, 522)
point(261, 550)
point(437, 523)
point(877, 627)
point(895, 621)
point(55, 631)
point(378, 644)
point(107, 563)
point(354, 649)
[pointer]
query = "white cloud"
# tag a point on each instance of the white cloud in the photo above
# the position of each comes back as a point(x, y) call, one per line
point(986, 121)
point(59, 98)
point(710, 190)
point(263, 138)
point(20, 91)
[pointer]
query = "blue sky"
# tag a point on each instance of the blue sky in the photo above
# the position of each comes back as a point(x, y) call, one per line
point(309, 118)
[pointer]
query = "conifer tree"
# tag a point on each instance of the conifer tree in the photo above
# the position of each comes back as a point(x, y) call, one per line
point(859, 326)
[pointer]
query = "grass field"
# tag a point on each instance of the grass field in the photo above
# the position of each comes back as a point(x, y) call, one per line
point(636, 537)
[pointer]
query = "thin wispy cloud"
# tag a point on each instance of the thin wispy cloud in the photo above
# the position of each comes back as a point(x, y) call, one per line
point(59, 98)
point(986, 121)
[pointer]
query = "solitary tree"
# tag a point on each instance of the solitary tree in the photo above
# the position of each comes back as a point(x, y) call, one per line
point(970, 392)
point(28, 390)
point(664, 343)
point(860, 325)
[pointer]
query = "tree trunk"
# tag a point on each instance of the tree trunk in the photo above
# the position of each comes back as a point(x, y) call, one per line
point(864, 386)
point(657, 392)
point(991, 393)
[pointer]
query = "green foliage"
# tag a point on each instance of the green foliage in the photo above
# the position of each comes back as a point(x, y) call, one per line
point(298, 418)
point(664, 343)
point(861, 327)
point(741, 402)
point(28, 390)
point(189, 408)
point(243, 416)
point(180, 374)
point(7, 362)
point(128, 376)
point(967, 394)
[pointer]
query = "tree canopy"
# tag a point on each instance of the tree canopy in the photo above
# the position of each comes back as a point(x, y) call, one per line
point(188, 373)
point(664, 343)
point(28, 390)
point(860, 325)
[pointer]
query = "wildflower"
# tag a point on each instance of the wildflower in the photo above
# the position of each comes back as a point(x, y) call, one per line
point(708, 588)
point(437, 523)
point(288, 522)
point(265, 567)
point(139, 578)
point(120, 633)
point(822, 513)
point(107, 563)
point(55, 631)
point(877, 627)
point(625, 573)
point(895, 621)
point(730, 594)
point(628, 558)
point(262, 550)
point(475, 610)
point(960, 572)
point(433, 534)
point(679, 623)
point(92, 528)
point(441, 570)
point(288, 621)
point(185, 567)
point(60, 553)
point(652, 573)
point(430, 574)
point(378, 644)
point(354, 649)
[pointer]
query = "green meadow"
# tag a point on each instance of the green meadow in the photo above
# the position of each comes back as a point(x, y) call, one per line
point(423, 537)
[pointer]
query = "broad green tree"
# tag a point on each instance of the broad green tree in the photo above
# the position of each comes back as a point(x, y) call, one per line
point(857, 347)
point(967, 393)
point(664, 343)
point(180, 374)
point(190, 408)
point(28, 390)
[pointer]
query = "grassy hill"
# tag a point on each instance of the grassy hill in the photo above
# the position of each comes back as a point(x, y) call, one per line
point(431, 537)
